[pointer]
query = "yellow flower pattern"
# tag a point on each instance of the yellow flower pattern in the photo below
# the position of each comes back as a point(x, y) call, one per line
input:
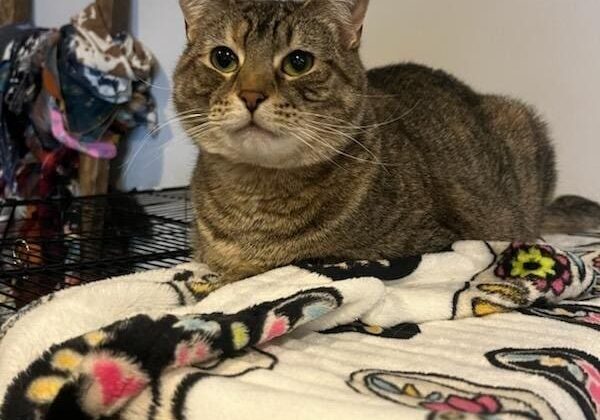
point(548, 269)
point(532, 263)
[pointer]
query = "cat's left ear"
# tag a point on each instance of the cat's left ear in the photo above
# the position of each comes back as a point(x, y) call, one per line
point(350, 13)
point(358, 13)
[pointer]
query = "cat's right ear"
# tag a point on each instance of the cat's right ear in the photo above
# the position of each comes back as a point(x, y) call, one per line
point(192, 9)
point(192, 13)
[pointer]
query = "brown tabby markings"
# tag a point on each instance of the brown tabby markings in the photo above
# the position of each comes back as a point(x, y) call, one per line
point(392, 162)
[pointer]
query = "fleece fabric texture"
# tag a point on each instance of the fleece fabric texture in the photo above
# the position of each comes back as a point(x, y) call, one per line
point(486, 330)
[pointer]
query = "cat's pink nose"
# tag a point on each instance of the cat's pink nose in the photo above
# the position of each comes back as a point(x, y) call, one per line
point(252, 99)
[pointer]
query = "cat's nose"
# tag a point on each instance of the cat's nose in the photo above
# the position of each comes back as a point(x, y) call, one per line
point(252, 99)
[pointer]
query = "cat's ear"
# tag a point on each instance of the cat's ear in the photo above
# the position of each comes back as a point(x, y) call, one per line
point(352, 13)
point(193, 11)
point(358, 13)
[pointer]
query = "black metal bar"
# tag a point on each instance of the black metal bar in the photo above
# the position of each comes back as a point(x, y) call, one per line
point(10, 220)
point(142, 230)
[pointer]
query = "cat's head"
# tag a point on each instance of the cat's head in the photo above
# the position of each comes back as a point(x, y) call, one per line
point(276, 84)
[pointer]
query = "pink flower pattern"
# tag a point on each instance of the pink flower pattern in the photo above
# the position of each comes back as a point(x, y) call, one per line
point(596, 263)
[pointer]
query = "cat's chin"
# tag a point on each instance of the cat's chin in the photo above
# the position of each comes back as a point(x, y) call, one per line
point(253, 130)
point(260, 147)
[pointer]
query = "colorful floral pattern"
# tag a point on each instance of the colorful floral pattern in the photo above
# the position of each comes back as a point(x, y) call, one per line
point(523, 275)
point(446, 397)
point(575, 371)
point(540, 264)
point(101, 372)
point(106, 369)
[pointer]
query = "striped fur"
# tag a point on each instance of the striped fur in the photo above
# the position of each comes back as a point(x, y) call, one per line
point(397, 161)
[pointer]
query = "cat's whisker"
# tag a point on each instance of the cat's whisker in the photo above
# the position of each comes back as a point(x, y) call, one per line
point(152, 85)
point(199, 134)
point(399, 118)
point(178, 118)
point(346, 124)
point(314, 136)
point(319, 154)
point(196, 133)
point(349, 125)
point(296, 133)
point(315, 130)
point(189, 135)
point(330, 130)
point(382, 95)
point(162, 148)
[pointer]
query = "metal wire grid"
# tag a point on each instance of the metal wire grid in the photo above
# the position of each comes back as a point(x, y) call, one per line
point(50, 245)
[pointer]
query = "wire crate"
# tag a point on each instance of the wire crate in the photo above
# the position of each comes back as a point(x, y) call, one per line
point(50, 245)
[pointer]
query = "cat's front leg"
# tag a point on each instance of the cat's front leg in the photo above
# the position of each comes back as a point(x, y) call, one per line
point(228, 260)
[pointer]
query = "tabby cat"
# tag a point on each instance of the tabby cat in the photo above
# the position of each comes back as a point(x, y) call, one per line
point(305, 154)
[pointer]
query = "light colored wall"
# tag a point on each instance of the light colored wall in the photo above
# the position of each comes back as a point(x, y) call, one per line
point(167, 159)
point(546, 52)
point(53, 13)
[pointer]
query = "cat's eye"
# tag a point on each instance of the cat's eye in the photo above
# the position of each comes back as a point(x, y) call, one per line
point(224, 59)
point(298, 63)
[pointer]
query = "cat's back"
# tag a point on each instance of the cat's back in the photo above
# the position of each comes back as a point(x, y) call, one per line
point(408, 86)
point(407, 78)
point(468, 142)
point(429, 109)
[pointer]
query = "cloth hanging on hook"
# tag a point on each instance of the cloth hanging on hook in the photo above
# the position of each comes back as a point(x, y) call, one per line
point(120, 55)
point(79, 88)
point(88, 112)
point(120, 58)
point(114, 69)
point(23, 49)
point(100, 149)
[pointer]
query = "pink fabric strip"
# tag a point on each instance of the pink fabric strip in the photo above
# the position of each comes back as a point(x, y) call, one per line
point(98, 150)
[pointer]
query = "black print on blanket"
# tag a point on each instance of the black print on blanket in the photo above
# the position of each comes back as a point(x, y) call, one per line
point(103, 373)
point(445, 397)
point(403, 331)
point(584, 315)
point(386, 270)
point(165, 396)
point(249, 361)
point(199, 287)
point(98, 374)
point(576, 372)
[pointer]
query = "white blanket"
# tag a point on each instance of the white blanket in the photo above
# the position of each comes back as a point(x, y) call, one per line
point(354, 340)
